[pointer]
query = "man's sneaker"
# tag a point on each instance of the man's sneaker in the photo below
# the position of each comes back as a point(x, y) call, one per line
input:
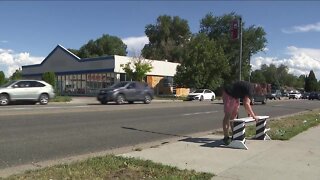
point(226, 140)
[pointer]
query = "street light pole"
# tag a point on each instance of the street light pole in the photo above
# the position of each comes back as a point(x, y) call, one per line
point(240, 57)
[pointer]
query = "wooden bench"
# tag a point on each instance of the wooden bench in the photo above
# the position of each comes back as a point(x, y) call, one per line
point(239, 128)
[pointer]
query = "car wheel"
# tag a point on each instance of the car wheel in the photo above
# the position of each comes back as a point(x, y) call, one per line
point(264, 101)
point(201, 98)
point(4, 99)
point(131, 102)
point(104, 102)
point(44, 99)
point(147, 99)
point(120, 99)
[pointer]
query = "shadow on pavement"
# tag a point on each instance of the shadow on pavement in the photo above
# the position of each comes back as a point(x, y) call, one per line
point(206, 142)
point(147, 131)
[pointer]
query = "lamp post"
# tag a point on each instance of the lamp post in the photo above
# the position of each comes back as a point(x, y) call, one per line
point(236, 33)
point(240, 56)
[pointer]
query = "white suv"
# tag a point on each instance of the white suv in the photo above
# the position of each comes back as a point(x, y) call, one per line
point(295, 95)
point(26, 90)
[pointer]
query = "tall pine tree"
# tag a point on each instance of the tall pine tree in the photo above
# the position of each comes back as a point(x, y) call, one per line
point(311, 83)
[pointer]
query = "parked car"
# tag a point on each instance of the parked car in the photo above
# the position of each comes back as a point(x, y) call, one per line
point(305, 95)
point(285, 94)
point(256, 98)
point(274, 94)
point(314, 95)
point(129, 91)
point(26, 90)
point(294, 95)
point(201, 94)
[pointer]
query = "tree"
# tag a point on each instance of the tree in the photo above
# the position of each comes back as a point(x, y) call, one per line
point(16, 75)
point(311, 83)
point(281, 73)
point(2, 78)
point(277, 76)
point(105, 45)
point(257, 77)
point(204, 64)
point(300, 83)
point(74, 51)
point(137, 69)
point(254, 40)
point(50, 78)
point(167, 39)
point(270, 73)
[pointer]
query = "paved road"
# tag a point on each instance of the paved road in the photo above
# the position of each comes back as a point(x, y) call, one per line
point(37, 133)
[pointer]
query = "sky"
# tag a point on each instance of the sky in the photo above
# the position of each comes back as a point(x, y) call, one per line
point(30, 30)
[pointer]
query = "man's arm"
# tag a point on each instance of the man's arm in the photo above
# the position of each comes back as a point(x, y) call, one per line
point(247, 106)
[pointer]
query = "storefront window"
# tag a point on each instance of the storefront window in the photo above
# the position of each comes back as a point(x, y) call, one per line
point(69, 89)
point(58, 85)
point(84, 84)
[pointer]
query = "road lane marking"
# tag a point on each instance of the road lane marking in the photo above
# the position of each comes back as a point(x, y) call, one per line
point(197, 113)
point(49, 107)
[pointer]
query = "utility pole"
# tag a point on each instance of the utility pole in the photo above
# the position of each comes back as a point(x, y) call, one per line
point(240, 57)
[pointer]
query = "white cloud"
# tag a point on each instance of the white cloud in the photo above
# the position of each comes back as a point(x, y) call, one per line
point(4, 41)
point(304, 28)
point(135, 44)
point(11, 61)
point(300, 62)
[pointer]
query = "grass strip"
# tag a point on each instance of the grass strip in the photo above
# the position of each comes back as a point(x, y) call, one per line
point(61, 99)
point(287, 127)
point(111, 167)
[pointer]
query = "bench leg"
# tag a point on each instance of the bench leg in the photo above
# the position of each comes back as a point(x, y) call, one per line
point(267, 137)
point(238, 144)
point(261, 131)
point(238, 136)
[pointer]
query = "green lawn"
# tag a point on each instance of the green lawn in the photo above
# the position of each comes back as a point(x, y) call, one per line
point(111, 167)
point(288, 127)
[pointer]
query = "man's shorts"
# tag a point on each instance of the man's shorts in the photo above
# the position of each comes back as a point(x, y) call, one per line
point(231, 105)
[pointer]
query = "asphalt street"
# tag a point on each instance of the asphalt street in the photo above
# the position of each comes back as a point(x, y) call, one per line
point(37, 133)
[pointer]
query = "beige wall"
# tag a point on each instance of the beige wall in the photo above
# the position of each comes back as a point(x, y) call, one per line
point(182, 91)
point(157, 85)
point(159, 68)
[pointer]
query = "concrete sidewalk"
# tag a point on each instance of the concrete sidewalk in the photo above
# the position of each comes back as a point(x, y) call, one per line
point(298, 158)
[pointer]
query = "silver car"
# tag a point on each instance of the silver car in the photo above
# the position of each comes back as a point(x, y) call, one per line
point(26, 90)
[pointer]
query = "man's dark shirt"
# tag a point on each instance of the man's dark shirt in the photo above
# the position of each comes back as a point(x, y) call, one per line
point(239, 89)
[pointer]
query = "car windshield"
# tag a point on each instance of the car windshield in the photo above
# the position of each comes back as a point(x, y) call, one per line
point(119, 84)
point(198, 91)
point(8, 84)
